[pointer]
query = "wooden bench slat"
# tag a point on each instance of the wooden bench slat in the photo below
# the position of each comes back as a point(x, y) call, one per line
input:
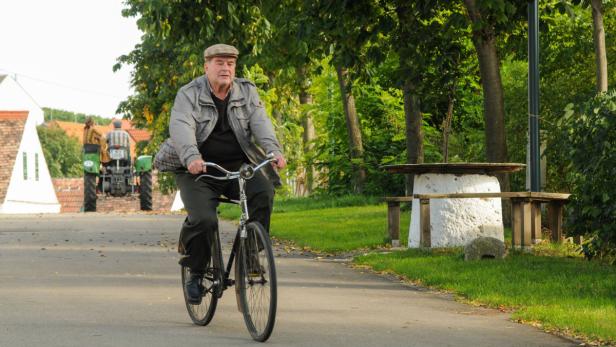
point(504, 195)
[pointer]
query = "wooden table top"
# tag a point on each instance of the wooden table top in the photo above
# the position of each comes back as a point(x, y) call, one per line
point(454, 168)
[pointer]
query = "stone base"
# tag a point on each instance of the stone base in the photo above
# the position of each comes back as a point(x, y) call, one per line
point(456, 222)
point(484, 248)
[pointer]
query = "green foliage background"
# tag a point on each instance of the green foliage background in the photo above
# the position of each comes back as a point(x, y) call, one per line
point(292, 47)
point(62, 153)
point(68, 116)
point(588, 137)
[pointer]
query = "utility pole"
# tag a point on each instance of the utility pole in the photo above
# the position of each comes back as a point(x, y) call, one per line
point(533, 94)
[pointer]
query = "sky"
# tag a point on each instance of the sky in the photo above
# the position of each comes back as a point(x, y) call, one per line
point(63, 51)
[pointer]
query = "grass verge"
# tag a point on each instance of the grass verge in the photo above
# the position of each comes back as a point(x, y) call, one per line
point(331, 225)
point(565, 294)
point(549, 289)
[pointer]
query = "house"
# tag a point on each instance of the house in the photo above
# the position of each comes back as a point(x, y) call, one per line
point(25, 182)
point(13, 97)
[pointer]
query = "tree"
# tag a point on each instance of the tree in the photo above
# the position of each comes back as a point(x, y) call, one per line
point(171, 51)
point(597, 9)
point(431, 46)
point(419, 56)
point(346, 30)
point(62, 153)
point(409, 68)
point(484, 38)
point(305, 98)
point(63, 115)
point(290, 51)
point(599, 39)
point(488, 19)
point(170, 54)
point(353, 129)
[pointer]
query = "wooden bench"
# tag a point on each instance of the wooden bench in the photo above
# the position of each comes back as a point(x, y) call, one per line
point(525, 212)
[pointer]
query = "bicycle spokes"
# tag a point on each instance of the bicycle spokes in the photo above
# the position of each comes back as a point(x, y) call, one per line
point(257, 282)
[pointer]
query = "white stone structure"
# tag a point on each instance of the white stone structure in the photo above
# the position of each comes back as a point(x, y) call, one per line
point(455, 222)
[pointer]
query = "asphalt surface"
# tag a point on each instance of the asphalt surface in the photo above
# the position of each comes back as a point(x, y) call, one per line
point(113, 280)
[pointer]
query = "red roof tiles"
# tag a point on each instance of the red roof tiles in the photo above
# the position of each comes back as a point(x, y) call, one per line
point(14, 115)
point(139, 134)
point(75, 130)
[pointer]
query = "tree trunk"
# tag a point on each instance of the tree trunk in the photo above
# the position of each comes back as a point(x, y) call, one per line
point(599, 39)
point(412, 108)
point(309, 131)
point(484, 40)
point(352, 122)
point(447, 124)
point(414, 133)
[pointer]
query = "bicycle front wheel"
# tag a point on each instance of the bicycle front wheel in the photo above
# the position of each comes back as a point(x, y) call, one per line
point(202, 313)
point(256, 281)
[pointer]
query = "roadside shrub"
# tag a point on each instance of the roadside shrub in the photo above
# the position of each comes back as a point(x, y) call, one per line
point(586, 145)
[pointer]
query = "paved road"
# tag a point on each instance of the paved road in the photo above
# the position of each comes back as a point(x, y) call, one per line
point(113, 280)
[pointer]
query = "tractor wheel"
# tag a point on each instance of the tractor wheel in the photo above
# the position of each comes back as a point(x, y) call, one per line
point(145, 191)
point(89, 193)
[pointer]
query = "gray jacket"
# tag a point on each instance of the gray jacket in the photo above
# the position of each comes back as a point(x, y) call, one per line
point(194, 116)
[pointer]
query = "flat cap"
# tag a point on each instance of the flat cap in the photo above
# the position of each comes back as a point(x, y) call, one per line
point(220, 50)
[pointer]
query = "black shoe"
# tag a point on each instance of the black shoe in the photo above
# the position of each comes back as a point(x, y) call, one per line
point(194, 289)
point(182, 261)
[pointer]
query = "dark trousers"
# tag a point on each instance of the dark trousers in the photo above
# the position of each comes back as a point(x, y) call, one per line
point(200, 201)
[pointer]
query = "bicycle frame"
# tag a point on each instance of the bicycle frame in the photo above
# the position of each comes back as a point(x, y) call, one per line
point(245, 173)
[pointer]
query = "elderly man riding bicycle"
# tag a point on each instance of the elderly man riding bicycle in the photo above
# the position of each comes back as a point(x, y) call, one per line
point(218, 118)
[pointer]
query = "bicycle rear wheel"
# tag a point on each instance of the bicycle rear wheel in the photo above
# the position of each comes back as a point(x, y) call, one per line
point(256, 279)
point(203, 313)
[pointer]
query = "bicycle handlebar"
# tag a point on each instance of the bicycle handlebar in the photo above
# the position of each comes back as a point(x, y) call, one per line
point(246, 171)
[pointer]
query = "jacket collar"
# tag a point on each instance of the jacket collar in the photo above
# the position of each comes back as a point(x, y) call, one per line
point(205, 97)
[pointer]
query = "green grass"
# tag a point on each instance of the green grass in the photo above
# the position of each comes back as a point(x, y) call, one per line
point(321, 227)
point(562, 293)
point(337, 229)
point(282, 205)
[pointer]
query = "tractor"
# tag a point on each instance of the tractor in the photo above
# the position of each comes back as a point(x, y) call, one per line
point(117, 177)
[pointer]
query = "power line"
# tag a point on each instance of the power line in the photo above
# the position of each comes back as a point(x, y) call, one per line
point(17, 75)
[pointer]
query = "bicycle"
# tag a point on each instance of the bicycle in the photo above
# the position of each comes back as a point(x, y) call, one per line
point(255, 271)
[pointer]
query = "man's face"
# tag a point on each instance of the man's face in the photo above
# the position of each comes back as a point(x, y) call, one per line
point(220, 71)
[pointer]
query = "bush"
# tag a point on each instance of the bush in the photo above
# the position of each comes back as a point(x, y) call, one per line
point(587, 147)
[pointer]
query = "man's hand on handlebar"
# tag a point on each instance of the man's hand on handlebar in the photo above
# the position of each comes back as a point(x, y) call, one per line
point(280, 162)
point(196, 166)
